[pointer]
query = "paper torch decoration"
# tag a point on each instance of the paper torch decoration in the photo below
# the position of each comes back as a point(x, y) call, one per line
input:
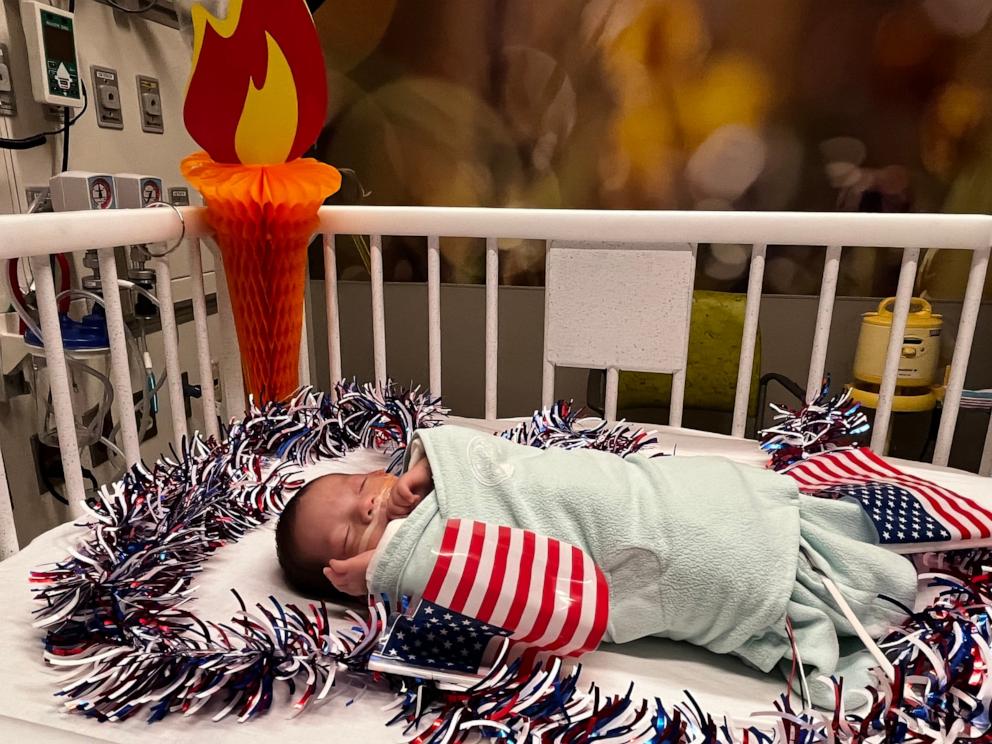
point(256, 100)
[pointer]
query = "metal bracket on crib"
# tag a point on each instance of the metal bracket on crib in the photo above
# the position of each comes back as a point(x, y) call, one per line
point(182, 236)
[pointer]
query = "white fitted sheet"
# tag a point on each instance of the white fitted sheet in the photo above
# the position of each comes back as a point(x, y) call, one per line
point(660, 668)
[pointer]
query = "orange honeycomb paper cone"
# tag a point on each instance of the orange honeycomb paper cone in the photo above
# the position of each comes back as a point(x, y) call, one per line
point(263, 217)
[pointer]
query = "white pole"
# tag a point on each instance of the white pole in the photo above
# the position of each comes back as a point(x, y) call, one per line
point(231, 375)
point(679, 378)
point(612, 393)
point(331, 301)
point(962, 352)
point(749, 338)
point(893, 353)
point(492, 325)
point(434, 312)
point(985, 468)
point(378, 311)
point(824, 314)
point(170, 340)
point(210, 424)
point(120, 374)
point(548, 375)
point(8, 528)
point(58, 380)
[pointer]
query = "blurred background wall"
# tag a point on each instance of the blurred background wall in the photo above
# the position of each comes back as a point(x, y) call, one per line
point(664, 104)
point(851, 105)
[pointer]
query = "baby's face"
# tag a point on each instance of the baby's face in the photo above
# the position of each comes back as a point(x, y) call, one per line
point(341, 516)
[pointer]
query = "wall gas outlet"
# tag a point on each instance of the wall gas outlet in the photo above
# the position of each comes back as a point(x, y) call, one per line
point(107, 98)
point(150, 103)
point(8, 102)
point(79, 190)
point(137, 192)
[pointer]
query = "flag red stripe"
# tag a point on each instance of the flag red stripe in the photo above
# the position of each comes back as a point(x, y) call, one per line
point(935, 501)
point(602, 615)
point(867, 477)
point(548, 595)
point(523, 587)
point(448, 540)
point(934, 496)
point(539, 616)
point(498, 575)
point(973, 507)
point(865, 466)
point(575, 598)
point(471, 569)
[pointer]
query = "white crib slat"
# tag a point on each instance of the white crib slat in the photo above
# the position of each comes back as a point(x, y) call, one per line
point(170, 340)
point(8, 529)
point(985, 467)
point(962, 352)
point(304, 365)
point(120, 374)
point(824, 315)
point(749, 339)
point(434, 312)
point(492, 325)
point(612, 394)
point(231, 375)
point(378, 311)
point(678, 379)
point(58, 378)
point(548, 375)
point(890, 373)
point(331, 302)
point(210, 424)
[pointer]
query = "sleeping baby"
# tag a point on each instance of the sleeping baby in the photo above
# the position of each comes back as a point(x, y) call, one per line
point(697, 549)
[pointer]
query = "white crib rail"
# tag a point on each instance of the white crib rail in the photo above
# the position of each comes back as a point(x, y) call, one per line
point(38, 236)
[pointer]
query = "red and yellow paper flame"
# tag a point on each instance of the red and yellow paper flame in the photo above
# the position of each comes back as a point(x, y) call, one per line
point(256, 102)
point(258, 92)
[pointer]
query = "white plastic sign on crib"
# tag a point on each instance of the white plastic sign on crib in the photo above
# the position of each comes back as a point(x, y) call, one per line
point(619, 305)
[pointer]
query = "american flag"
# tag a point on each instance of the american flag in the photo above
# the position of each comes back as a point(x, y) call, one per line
point(906, 510)
point(438, 638)
point(491, 582)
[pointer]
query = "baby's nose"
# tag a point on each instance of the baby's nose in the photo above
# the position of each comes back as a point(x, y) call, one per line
point(367, 509)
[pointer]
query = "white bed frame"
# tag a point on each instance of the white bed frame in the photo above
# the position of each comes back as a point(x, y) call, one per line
point(632, 273)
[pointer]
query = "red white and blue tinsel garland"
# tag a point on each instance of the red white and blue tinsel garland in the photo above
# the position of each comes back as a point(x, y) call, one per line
point(558, 426)
point(117, 612)
point(827, 423)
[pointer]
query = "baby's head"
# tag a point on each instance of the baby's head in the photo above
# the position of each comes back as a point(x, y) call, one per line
point(331, 518)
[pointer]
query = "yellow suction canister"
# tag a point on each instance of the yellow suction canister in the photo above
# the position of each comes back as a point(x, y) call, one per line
point(918, 361)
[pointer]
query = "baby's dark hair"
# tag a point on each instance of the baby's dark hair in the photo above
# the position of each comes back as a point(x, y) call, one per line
point(306, 577)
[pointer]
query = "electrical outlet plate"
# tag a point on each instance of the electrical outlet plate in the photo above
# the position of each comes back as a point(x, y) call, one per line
point(8, 102)
point(41, 194)
point(150, 104)
point(54, 113)
point(107, 98)
point(179, 196)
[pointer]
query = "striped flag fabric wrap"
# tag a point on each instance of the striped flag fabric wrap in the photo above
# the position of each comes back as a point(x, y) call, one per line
point(911, 514)
point(491, 582)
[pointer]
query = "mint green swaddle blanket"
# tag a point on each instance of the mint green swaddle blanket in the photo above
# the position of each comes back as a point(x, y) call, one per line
point(697, 549)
